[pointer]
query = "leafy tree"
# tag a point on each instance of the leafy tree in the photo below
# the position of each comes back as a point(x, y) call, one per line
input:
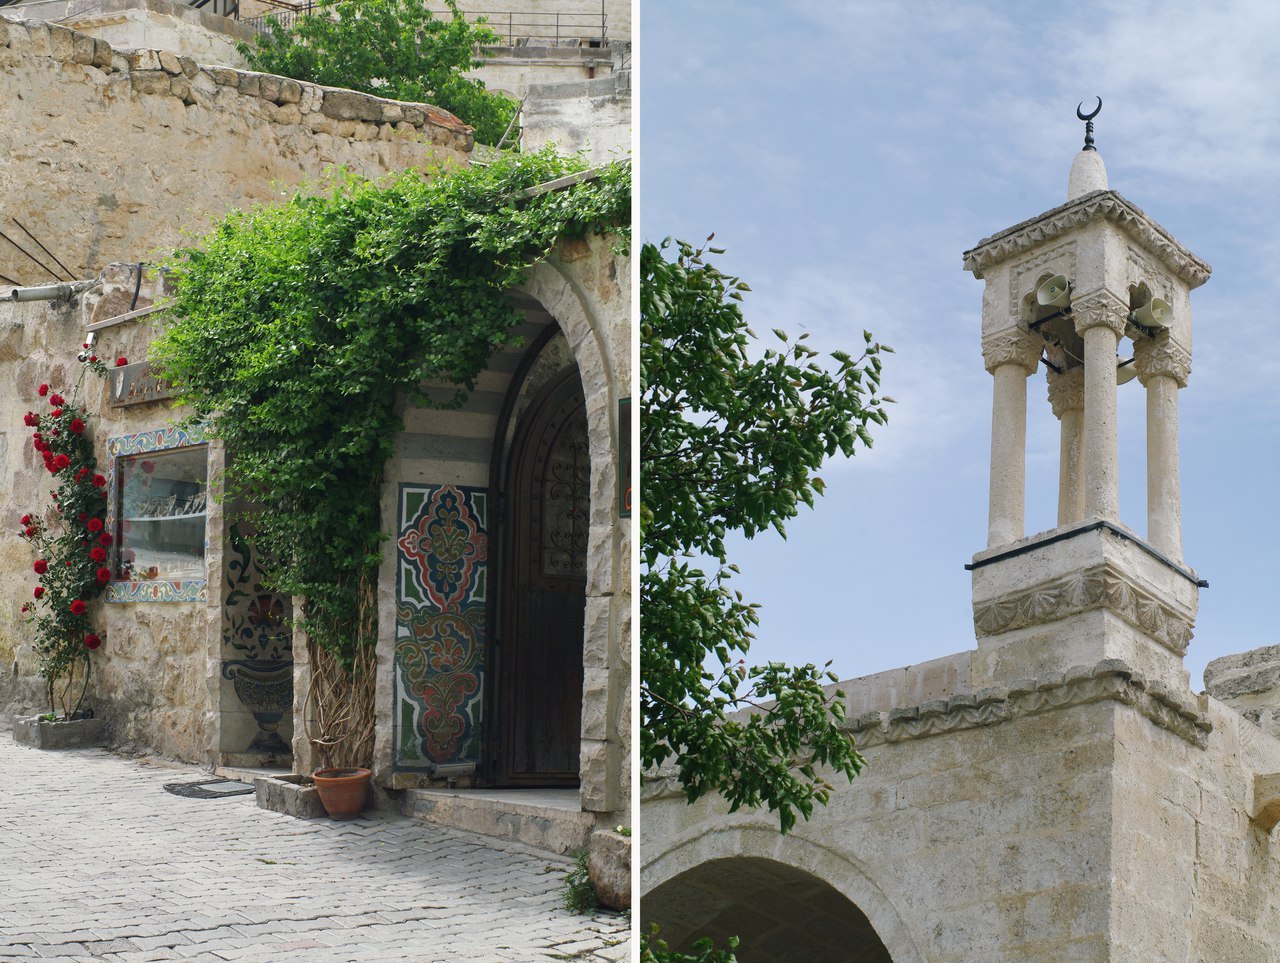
point(655, 950)
point(729, 442)
point(392, 48)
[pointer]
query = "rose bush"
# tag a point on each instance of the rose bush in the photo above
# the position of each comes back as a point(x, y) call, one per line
point(69, 552)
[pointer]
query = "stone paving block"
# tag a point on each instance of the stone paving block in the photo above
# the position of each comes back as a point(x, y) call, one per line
point(167, 878)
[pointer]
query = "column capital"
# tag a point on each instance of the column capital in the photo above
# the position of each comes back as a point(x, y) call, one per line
point(1012, 346)
point(1100, 309)
point(1161, 355)
point(1066, 391)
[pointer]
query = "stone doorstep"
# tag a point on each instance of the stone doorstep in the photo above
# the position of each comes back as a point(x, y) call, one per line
point(79, 734)
point(538, 818)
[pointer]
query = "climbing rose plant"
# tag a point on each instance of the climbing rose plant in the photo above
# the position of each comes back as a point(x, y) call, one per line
point(302, 327)
point(70, 546)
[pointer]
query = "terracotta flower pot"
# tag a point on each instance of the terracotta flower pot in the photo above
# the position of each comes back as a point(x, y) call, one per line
point(344, 792)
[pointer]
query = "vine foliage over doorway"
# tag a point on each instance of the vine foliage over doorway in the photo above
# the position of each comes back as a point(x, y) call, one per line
point(299, 325)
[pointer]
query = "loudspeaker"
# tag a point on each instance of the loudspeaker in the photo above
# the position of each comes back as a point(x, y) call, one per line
point(1154, 314)
point(1126, 371)
point(1054, 293)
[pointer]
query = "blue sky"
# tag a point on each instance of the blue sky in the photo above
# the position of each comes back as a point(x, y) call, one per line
point(846, 154)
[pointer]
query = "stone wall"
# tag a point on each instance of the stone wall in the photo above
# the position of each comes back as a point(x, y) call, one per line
point(1249, 682)
point(588, 115)
point(1087, 815)
point(108, 156)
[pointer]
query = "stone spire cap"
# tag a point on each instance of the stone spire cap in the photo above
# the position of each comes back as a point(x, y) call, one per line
point(1108, 205)
point(1088, 174)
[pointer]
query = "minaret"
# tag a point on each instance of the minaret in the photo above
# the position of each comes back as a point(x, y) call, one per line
point(1067, 288)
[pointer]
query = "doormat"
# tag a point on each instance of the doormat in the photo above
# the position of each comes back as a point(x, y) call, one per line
point(209, 788)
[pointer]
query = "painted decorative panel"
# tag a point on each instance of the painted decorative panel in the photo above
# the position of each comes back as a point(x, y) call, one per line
point(257, 654)
point(442, 556)
point(122, 452)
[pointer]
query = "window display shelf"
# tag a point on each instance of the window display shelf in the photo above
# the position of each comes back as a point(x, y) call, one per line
point(163, 518)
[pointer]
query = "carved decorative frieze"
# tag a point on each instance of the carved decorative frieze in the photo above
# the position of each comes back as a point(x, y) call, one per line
point(1099, 308)
point(1108, 680)
point(1096, 588)
point(1066, 391)
point(1098, 204)
point(1058, 259)
point(1162, 355)
point(1012, 346)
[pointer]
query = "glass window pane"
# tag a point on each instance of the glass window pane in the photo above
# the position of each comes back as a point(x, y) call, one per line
point(161, 527)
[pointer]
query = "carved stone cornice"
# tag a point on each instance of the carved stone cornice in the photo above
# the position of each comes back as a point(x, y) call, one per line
point(1110, 679)
point(1161, 355)
point(1099, 204)
point(1012, 346)
point(1101, 587)
point(1066, 391)
point(1099, 308)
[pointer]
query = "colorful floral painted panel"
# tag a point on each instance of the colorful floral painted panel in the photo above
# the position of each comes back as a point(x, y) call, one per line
point(442, 553)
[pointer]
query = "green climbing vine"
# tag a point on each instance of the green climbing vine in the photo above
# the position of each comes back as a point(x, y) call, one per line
point(299, 326)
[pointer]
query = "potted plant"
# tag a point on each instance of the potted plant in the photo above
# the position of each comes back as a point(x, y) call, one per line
point(71, 548)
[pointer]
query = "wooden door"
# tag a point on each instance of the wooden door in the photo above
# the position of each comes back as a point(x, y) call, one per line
point(546, 504)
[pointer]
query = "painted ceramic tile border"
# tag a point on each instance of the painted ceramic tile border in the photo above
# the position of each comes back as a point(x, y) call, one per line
point(441, 585)
point(160, 439)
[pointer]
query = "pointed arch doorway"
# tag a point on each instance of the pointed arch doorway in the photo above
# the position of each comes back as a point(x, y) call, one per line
point(537, 649)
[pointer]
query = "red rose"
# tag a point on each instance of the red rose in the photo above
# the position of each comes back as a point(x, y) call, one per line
point(39, 591)
point(60, 462)
point(105, 538)
point(43, 390)
point(99, 481)
point(95, 524)
point(78, 607)
point(93, 357)
point(31, 419)
point(91, 641)
point(104, 575)
point(98, 553)
point(29, 531)
point(57, 412)
point(121, 362)
point(25, 520)
point(76, 425)
point(41, 566)
point(56, 400)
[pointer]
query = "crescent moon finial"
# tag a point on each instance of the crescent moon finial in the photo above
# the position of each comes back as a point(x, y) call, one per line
point(1088, 123)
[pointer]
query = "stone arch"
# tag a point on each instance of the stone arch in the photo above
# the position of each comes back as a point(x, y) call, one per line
point(585, 323)
point(798, 899)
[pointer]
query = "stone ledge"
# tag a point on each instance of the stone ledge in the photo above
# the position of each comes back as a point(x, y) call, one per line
point(1110, 679)
point(504, 817)
point(36, 732)
point(291, 794)
point(162, 73)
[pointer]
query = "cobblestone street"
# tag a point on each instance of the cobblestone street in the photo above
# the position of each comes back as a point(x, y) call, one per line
point(99, 862)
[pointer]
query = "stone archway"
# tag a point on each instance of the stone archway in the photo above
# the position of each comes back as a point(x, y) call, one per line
point(780, 913)
point(760, 870)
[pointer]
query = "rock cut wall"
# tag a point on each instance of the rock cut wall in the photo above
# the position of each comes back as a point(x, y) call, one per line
point(110, 155)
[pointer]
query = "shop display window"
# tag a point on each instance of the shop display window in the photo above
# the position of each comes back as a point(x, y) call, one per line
point(161, 504)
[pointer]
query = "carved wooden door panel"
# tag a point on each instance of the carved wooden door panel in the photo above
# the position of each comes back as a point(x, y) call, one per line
point(547, 505)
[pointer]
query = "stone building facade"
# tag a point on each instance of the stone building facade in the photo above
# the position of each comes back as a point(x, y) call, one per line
point(112, 157)
point(1058, 792)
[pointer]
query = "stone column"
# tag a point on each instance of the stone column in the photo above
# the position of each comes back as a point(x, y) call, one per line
point(1100, 319)
point(1163, 367)
point(1011, 357)
point(1066, 397)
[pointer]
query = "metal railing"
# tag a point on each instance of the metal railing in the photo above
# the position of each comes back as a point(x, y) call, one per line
point(514, 28)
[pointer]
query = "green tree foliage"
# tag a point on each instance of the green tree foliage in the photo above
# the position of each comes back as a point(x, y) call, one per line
point(299, 326)
point(729, 442)
point(655, 950)
point(392, 48)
